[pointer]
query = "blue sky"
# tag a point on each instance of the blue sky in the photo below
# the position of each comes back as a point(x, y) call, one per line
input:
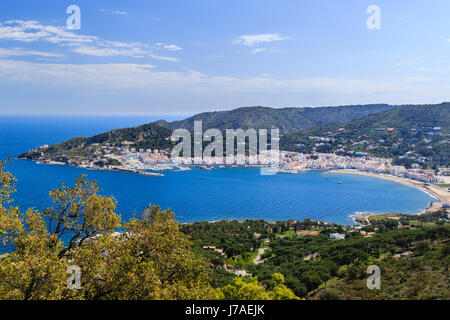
point(184, 57)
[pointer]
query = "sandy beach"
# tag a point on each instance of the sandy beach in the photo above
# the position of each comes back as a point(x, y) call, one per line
point(436, 192)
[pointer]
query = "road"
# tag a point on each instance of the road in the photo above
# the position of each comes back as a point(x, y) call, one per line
point(258, 259)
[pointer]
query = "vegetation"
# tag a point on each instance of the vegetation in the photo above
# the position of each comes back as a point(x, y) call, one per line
point(148, 136)
point(311, 264)
point(153, 257)
point(410, 134)
point(235, 238)
point(249, 289)
point(422, 276)
point(285, 119)
point(149, 259)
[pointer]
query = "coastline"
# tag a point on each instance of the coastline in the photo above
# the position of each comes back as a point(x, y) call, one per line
point(437, 193)
point(113, 168)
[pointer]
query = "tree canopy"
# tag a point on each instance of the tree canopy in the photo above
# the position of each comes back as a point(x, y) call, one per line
point(148, 259)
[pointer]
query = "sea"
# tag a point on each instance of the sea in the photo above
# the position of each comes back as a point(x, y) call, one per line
point(196, 195)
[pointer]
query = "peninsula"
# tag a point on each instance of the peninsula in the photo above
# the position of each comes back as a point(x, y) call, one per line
point(407, 144)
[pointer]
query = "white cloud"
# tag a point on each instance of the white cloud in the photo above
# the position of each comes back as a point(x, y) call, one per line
point(20, 52)
point(116, 12)
point(259, 50)
point(417, 79)
point(106, 52)
point(251, 40)
point(117, 51)
point(265, 50)
point(33, 31)
point(172, 47)
point(114, 86)
point(169, 47)
point(120, 12)
point(143, 77)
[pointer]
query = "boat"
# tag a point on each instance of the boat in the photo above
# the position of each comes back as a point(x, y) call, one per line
point(340, 182)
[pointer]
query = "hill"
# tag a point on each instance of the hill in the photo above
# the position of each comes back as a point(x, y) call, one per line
point(421, 276)
point(286, 119)
point(413, 261)
point(409, 134)
point(416, 133)
point(84, 150)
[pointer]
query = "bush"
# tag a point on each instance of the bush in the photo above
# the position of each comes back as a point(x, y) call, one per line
point(329, 296)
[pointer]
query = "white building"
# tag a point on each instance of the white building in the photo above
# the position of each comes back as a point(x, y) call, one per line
point(397, 170)
point(338, 236)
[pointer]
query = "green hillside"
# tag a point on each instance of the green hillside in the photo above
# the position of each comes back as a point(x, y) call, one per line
point(148, 136)
point(285, 119)
point(408, 134)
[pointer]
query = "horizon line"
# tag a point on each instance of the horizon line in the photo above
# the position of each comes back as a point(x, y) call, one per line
point(220, 110)
point(92, 114)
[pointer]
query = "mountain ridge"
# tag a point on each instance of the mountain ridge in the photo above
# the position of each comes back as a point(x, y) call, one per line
point(289, 119)
point(367, 133)
point(407, 133)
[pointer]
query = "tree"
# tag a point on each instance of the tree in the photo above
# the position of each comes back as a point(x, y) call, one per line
point(248, 288)
point(243, 289)
point(80, 213)
point(150, 259)
point(329, 295)
point(311, 280)
point(33, 270)
point(280, 291)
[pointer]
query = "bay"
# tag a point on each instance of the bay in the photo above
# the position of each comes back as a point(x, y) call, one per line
point(196, 195)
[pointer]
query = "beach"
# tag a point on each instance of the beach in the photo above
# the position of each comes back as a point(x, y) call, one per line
point(436, 192)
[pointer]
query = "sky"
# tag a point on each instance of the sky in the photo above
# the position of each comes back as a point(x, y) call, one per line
point(184, 57)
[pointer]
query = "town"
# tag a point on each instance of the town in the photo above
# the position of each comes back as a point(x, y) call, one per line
point(127, 158)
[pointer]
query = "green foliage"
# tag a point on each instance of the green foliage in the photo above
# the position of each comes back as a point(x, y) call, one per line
point(285, 119)
point(355, 128)
point(411, 124)
point(329, 295)
point(235, 238)
point(150, 259)
point(248, 288)
point(148, 136)
point(343, 259)
point(423, 276)
point(153, 257)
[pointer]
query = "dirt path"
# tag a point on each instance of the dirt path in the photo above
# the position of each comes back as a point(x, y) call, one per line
point(258, 259)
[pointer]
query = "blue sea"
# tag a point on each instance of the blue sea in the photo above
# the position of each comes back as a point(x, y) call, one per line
point(197, 195)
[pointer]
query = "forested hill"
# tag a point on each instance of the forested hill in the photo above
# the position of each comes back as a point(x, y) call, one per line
point(148, 136)
point(408, 133)
point(286, 119)
point(408, 117)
